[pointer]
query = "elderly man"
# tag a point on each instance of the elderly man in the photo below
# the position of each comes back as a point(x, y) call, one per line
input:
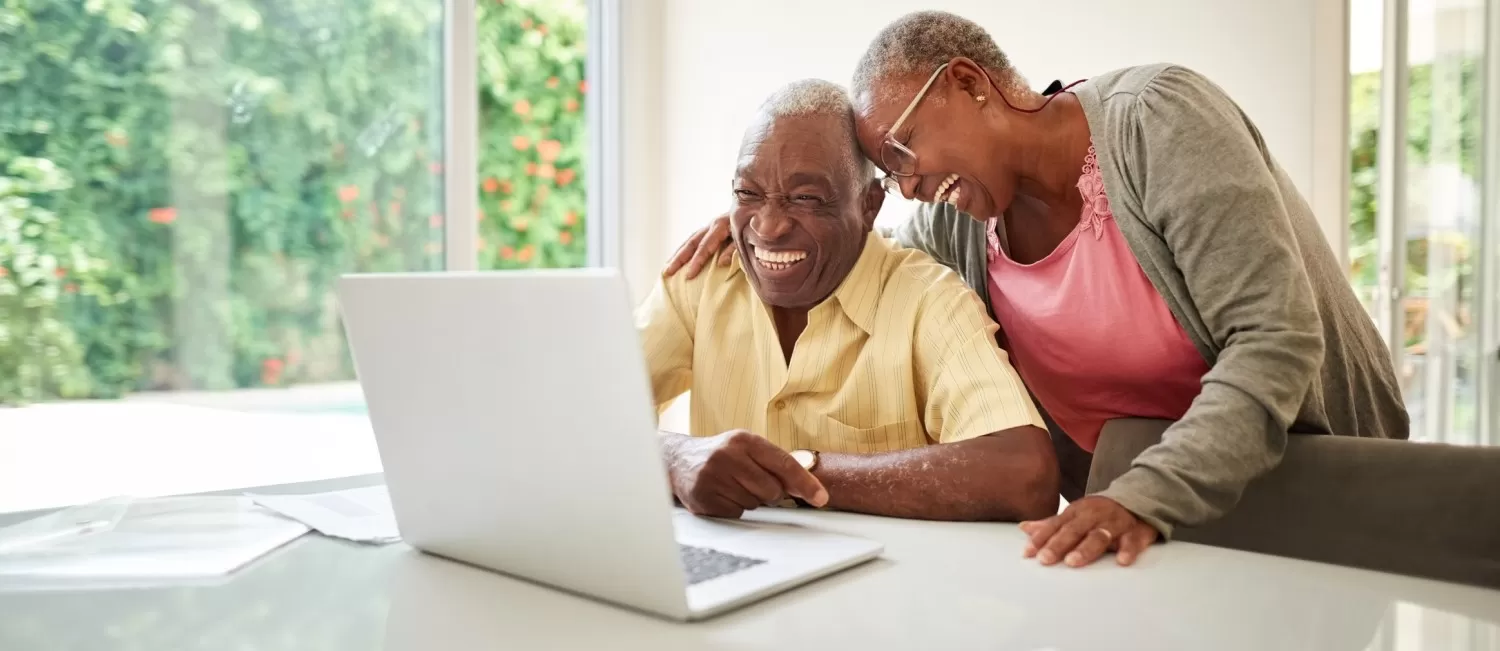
point(827, 365)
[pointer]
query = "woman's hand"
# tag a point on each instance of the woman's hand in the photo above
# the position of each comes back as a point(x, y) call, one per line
point(702, 246)
point(1085, 530)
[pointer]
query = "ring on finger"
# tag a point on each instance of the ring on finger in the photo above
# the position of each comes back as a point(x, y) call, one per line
point(1108, 535)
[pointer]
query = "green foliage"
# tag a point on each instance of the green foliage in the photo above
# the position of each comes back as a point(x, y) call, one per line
point(1461, 115)
point(203, 170)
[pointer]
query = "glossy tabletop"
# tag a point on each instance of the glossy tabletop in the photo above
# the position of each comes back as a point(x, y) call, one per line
point(938, 586)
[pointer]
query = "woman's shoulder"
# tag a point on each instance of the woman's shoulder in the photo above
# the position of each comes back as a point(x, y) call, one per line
point(1126, 85)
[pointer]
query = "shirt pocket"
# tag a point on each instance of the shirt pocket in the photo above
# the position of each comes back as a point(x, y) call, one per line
point(900, 435)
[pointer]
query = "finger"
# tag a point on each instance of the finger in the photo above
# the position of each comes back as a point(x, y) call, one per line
point(685, 252)
point(756, 481)
point(733, 490)
point(795, 479)
point(726, 256)
point(1065, 540)
point(711, 241)
point(1041, 531)
point(1134, 543)
point(1094, 544)
point(717, 507)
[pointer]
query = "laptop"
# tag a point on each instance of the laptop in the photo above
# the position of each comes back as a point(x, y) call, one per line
point(515, 424)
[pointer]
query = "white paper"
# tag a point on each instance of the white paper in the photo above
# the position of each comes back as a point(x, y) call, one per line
point(141, 541)
point(358, 514)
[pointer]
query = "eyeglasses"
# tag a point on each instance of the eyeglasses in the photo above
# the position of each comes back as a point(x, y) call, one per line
point(898, 159)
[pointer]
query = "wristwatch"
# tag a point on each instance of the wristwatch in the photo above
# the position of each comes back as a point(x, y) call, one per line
point(808, 459)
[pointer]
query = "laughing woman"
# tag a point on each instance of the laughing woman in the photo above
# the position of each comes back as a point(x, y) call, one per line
point(1144, 255)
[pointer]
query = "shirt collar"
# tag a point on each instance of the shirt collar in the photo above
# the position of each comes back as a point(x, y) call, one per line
point(859, 295)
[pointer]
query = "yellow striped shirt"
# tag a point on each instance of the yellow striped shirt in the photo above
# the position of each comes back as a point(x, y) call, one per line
point(902, 355)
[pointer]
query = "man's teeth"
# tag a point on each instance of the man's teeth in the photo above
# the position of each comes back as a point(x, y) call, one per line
point(950, 182)
point(778, 260)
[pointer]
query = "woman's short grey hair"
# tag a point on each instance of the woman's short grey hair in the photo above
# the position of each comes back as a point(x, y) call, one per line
point(919, 42)
point(816, 97)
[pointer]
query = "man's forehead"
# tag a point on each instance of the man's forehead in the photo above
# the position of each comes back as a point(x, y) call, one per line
point(803, 143)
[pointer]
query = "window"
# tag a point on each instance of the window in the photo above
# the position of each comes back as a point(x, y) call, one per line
point(182, 183)
point(1418, 138)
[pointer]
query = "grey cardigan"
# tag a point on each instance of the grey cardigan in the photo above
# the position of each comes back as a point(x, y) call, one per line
point(1237, 254)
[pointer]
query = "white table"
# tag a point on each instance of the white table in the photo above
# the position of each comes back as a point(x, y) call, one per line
point(939, 586)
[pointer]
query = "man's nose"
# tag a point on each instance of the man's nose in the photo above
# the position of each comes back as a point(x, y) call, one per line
point(770, 224)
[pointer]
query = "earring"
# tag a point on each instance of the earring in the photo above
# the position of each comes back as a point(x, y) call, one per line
point(979, 98)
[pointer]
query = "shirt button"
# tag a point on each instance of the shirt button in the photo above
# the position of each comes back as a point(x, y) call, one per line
point(781, 404)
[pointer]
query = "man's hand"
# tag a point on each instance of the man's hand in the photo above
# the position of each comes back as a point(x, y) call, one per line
point(723, 476)
point(1085, 530)
point(702, 246)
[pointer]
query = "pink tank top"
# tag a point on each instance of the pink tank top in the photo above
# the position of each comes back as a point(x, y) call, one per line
point(1087, 331)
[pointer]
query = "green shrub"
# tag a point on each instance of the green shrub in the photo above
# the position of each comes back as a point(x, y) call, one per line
point(229, 159)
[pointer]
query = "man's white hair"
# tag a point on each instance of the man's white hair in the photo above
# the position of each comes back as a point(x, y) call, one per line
point(816, 97)
point(919, 42)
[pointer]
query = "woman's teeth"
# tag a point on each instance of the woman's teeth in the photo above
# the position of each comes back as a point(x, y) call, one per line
point(777, 260)
point(952, 197)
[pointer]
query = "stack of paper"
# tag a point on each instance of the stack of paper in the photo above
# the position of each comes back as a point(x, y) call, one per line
point(140, 542)
point(359, 514)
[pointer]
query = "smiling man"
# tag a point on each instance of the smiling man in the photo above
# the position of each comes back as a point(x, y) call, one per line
point(835, 368)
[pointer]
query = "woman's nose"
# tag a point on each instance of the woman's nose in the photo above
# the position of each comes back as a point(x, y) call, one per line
point(908, 185)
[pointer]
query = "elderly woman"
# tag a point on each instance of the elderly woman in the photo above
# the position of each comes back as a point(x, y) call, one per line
point(1144, 255)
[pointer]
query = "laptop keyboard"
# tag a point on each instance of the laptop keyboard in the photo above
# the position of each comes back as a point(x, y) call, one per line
point(703, 564)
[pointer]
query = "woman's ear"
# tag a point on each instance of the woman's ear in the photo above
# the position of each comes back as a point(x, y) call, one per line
point(874, 198)
point(968, 77)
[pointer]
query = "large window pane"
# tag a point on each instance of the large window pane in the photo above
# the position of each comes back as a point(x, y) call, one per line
point(1438, 229)
point(1445, 55)
point(182, 182)
point(533, 133)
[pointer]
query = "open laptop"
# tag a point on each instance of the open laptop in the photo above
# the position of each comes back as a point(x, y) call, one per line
point(515, 424)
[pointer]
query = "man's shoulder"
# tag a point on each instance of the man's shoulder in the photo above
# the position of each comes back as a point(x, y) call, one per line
point(712, 286)
point(911, 273)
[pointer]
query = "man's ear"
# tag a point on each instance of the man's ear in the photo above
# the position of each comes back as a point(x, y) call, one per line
point(873, 199)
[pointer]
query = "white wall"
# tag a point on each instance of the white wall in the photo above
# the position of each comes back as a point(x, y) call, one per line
point(714, 62)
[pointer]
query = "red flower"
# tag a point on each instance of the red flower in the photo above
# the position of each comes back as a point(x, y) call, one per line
point(552, 82)
point(521, 143)
point(70, 288)
point(541, 29)
point(565, 176)
point(435, 221)
point(4, 272)
point(270, 371)
point(60, 272)
point(570, 105)
point(491, 184)
point(506, 205)
point(549, 150)
point(522, 108)
point(565, 238)
point(506, 187)
point(525, 254)
point(583, 86)
point(546, 171)
point(570, 218)
point(531, 169)
point(526, 24)
point(507, 253)
point(435, 168)
point(164, 215)
point(348, 215)
point(348, 193)
point(520, 224)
